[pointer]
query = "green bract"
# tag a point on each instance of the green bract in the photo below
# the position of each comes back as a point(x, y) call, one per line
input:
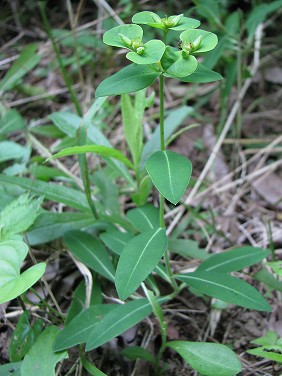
point(176, 65)
point(178, 22)
point(130, 37)
point(197, 41)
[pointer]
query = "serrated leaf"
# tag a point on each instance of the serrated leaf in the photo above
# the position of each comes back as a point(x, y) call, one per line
point(234, 260)
point(201, 75)
point(27, 60)
point(175, 65)
point(79, 328)
point(209, 359)
point(112, 37)
point(132, 78)
point(227, 288)
point(138, 260)
point(97, 149)
point(153, 51)
point(144, 218)
point(24, 337)
point(12, 283)
point(41, 359)
point(116, 240)
point(118, 321)
point(170, 173)
point(208, 43)
point(91, 252)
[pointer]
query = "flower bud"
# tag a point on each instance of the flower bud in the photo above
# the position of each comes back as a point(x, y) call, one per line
point(126, 40)
point(176, 19)
point(136, 44)
point(140, 50)
point(197, 42)
point(185, 54)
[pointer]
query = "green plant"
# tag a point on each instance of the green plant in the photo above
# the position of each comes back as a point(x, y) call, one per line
point(130, 250)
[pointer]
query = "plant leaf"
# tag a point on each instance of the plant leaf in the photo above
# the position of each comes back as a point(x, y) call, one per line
point(187, 248)
point(144, 218)
point(112, 37)
point(11, 369)
point(175, 65)
point(229, 289)
point(12, 150)
point(137, 352)
point(153, 51)
point(117, 322)
point(138, 260)
point(272, 352)
point(234, 260)
point(27, 60)
point(170, 173)
point(91, 252)
point(201, 75)
point(79, 328)
point(208, 43)
point(41, 359)
point(12, 283)
point(116, 240)
point(209, 359)
point(97, 149)
point(131, 78)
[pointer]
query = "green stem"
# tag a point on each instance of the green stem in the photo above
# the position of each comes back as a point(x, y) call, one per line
point(162, 143)
point(58, 56)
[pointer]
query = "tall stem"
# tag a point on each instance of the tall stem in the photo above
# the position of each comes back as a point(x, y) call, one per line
point(162, 143)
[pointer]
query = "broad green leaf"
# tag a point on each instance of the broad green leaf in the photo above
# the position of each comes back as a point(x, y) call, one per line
point(41, 359)
point(50, 226)
point(69, 124)
point(91, 252)
point(153, 51)
point(276, 266)
point(24, 337)
point(11, 121)
point(201, 75)
point(227, 288)
point(97, 149)
point(27, 60)
point(11, 369)
point(137, 352)
point(55, 192)
point(172, 122)
point(208, 43)
point(79, 329)
point(113, 36)
point(12, 150)
point(170, 173)
point(132, 128)
point(268, 279)
point(187, 248)
point(131, 78)
point(153, 20)
point(19, 215)
point(176, 65)
point(116, 240)
point(138, 259)
point(144, 218)
point(107, 195)
point(117, 322)
point(234, 260)
point(209, 359)
point(272, 352)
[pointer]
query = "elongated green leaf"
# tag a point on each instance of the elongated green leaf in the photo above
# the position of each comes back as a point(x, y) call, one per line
point(12, 283)
point(27, 60)
point(138, 259)
point(201, 75)
point(229, 289)
point(233, 260)
point(24, 337)
point(116, 240)
point(131, 78)
point(93, 370)
point(209, 359)
point(11, 369)
point(11, 121)
point(272, 352)
point(144, 218)
point(79, 329)
point(137, 352)
point(41, 359)
point(12, 150)
point(118, 321)
point(268, 279)
point(19, 215)
point(55, 192)
point(97, 149)
point(50, 226)
point(153, 51)
point(170, 173)
point(187, 248)
point(91, 252)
